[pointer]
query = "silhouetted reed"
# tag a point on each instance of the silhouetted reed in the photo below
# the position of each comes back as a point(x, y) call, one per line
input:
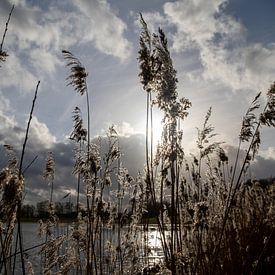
point(203, 211)
point(211, 220)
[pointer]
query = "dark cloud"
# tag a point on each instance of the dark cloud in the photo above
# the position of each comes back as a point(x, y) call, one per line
point(264, 168)
point(41, 141)
point(260, 168)
point(37, 188)
point(133, 158)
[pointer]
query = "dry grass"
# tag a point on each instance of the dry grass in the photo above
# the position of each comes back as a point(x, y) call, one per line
point(210, 223)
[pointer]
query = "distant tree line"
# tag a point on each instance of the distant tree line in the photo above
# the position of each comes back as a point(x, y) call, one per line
point(68, 209)
point(40, 210)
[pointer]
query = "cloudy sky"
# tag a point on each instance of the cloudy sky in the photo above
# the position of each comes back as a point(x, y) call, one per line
point(223, 51)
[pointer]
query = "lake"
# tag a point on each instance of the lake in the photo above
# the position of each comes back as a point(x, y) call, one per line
point(31, 239)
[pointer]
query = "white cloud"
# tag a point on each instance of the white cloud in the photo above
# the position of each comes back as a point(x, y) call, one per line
point(44, 60)
point(4, 104)
point(13, 134)
point(193, 18)
point(124, 129)
point(224, 52)
point(103, 27)
point(40, 134)
point(36, 36)
point(269, 153)
point(31, 27)
point(16, 74)
point(84, 21)
point(10, 133)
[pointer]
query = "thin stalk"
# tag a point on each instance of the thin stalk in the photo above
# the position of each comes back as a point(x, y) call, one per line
point(78, 185)
point(151, 149)
point(198, 177)
point(26, 250)
point(148, 173)
point(262, 252)
point(119, 221)
point(237, 185)
point(77, 210)
point(27, 130)
point(161, 224)
point(151, 172)
point(198, 251)
point(89, 263)
point(223, 172)
point(78, 191)
point(20, 175)
point(5, 244)
point(178, 241)
point(6, 29)
point(147, 139)
point(99, 221)
point(92, 229)
point(51, 196)
point(29, 165)
point(234, 170)
point(89, 227)
point(88, 118)
point(15, 249)
point(173, 181)
point(5, 258)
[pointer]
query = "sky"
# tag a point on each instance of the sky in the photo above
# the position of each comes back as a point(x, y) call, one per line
point(223, 51)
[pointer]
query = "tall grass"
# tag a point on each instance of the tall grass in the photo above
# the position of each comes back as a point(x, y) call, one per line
point(202, 209)
point(12, 189)
point(210, 219)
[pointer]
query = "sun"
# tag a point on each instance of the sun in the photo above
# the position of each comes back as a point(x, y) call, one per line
point(157, 127)
point(155, 130)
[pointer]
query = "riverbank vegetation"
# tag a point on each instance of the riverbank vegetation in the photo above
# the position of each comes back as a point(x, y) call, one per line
point(211, 220)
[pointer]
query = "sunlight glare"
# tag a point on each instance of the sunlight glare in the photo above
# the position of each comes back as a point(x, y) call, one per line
point(157, 129)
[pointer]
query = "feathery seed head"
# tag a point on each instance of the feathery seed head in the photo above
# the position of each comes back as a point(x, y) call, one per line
point(268, 116)
point(78, 75)
point(249, 121)
point(3, 56)
point(79, 132)
point(49, 168)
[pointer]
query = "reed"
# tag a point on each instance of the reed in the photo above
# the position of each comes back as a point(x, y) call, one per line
point(202, 212)
point(211, 220)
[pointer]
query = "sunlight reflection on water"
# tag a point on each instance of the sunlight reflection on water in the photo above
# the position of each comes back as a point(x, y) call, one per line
point(154, 243)
point(31, 238)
